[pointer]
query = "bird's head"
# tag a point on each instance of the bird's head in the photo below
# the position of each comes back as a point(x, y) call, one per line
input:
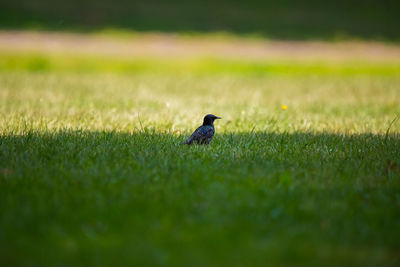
point(209, 119)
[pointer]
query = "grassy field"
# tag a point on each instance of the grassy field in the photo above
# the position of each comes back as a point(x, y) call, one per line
point(92, 172)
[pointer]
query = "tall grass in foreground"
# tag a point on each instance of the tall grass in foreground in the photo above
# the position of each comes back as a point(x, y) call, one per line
point(92, 173)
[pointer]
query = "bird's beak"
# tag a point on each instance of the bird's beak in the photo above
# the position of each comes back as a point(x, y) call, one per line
point(218, 118)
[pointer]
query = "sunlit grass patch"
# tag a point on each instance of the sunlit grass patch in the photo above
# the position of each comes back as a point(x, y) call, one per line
point(176, 102)
point(196, 65)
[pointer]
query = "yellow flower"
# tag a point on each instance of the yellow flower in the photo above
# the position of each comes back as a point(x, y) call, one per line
point(284, 107)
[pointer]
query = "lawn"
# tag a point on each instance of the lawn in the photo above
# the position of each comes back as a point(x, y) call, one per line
point(92, 171)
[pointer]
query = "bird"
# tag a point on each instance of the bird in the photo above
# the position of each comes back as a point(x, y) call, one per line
point(203, 134)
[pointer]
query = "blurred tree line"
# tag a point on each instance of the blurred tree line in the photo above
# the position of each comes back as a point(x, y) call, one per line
point(285, 19)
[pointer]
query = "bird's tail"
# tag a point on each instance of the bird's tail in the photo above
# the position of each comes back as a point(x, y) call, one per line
point(187, 142)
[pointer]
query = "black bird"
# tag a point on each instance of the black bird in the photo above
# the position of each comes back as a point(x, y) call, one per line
point(204, 134)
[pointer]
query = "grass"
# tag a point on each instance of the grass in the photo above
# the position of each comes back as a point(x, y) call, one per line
point(92, 173)
point(37, 61)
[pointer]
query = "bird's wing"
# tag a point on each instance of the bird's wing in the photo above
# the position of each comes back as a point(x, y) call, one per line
point(196, 135)
point(200, 133)
point(208, 135)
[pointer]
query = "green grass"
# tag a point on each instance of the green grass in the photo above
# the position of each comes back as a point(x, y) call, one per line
point(36, 61)
point(92, 173)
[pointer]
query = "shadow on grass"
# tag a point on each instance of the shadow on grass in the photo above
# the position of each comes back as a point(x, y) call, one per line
point(163, 152)
point(84, 197)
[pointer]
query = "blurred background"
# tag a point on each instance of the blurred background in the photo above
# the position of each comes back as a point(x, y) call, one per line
point(266, 31)
point(288, 19)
